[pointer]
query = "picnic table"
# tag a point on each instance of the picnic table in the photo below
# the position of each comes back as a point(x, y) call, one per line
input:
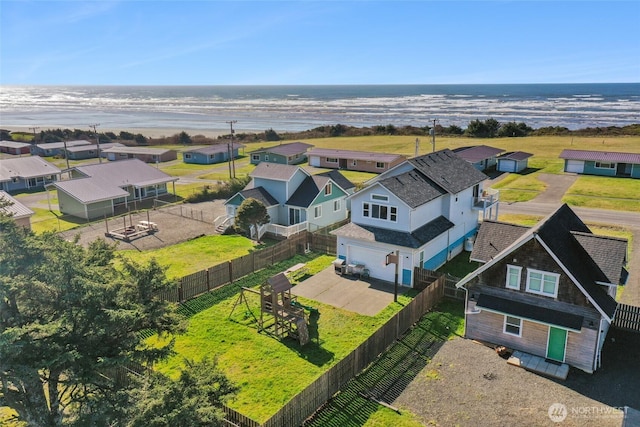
point(297, 271)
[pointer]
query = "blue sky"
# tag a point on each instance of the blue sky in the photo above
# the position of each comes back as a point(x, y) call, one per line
point(322, 42)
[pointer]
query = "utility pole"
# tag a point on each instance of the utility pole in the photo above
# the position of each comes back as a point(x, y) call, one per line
point(94, 126)
point(433, 135)
point(66, 156)
point(232, 160)
point(34, 129)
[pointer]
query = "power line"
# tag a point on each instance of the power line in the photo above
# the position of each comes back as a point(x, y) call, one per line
point(230, 150)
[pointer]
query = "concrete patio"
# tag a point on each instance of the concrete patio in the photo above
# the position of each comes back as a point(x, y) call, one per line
point(366, 297)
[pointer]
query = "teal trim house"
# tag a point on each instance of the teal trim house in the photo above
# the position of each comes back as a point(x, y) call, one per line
point(283, 154)
point(294, 196)
point(216, 153)
point(423, 209)
point(604, 163)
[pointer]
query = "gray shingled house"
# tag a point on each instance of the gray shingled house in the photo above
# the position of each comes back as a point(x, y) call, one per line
point(548, 291)
point(284, 154)
point(95, 190)
point(26, 173)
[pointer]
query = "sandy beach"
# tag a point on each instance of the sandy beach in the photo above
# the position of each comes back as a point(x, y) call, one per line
point(148, 132)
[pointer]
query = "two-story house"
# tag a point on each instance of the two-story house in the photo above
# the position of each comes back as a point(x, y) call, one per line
point(293, 196)
point(424, 209)
point(548, 291)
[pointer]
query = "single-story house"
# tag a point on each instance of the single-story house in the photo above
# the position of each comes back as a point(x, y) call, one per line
point(81, 152)
point(284, 154)
point(19, 212)
point(513, 161)
point(482, 157)
point(14, 147)
point(548, 290)
point(95, 190)
point(25, 173)
point(363, 161)
point(606, 163)
point(56, 148)
point(146, 154)
point(216, 153)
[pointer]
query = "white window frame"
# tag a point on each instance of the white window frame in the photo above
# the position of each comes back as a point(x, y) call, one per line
point(354, 162)
point(375, 210)
point(255, 157)
point(187, 155)
point(605, 165)
point(380, 197)
point(519, 280)
point(317, 211)
point(327, 189)
point(336, 205)
point(544, 274)
point(332, 160)
point(513, 324)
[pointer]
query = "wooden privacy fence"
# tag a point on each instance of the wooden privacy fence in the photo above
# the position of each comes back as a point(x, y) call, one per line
point(305, 403)
point(627, 317)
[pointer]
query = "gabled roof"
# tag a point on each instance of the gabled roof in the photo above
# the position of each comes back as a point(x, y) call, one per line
point(601, 156)
point(493, 237)
point(339, 179)
point(448, 170)
point(279, 283)
point(307, 192)
point(138, 150)
point(275, 171)
point(58, 145)
point(16, 209)
point(88, 190)
point(286, 149)
point(355, 155)
point(260, 194)
point(518, 156)
point(477, 153)
point(556, 234)
point(13, 144)
point(416, 239)
point(26, 167)
point(605, 251)
point(123, 173)
point(413, 188)
point(215, 148)
point(81, 148)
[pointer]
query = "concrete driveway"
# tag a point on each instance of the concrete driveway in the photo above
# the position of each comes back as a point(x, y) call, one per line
point(350, 293)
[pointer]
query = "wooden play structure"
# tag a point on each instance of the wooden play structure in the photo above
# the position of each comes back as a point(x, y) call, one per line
point(131, 231)
point(280, 314)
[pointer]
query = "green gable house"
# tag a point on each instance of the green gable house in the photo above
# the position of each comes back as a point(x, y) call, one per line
point(284, 154)
point(605, 163)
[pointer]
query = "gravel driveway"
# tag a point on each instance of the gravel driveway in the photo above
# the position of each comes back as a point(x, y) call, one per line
point(468, 384)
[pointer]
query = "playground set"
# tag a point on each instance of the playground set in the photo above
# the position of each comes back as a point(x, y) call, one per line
point(280, 312)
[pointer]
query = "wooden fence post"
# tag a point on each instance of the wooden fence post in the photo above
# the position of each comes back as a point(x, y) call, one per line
point(180, 292)
point(230, 272)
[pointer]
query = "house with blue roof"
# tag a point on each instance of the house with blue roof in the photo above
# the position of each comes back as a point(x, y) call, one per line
point(423, 209)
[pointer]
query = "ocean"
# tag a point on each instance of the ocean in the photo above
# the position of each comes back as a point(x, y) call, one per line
point(297, 108)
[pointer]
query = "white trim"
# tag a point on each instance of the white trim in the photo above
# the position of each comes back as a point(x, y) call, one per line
point(517, 267)
point(505, 323)
point(317, 211)
point(543, 273)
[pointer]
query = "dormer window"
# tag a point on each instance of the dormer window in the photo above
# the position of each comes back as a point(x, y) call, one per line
point(327, 189)
point(542, 282)
point(513, 277)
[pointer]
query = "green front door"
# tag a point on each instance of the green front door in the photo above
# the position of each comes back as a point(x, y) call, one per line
point(556, 344)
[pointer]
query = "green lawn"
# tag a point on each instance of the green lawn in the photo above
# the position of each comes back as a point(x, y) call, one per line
point(269, 371)
point(46, 220)
point(605, 193)
point(195, 255)
point(182, 169)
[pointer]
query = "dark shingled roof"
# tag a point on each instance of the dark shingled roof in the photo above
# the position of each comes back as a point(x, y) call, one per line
point(413, 188)
point(556, 233)
point(339, 179)
point(477, 153)
point(261, 195)
point(493, 237)
point(308, 191)
point(448, 170)
point(531, 312)
point(601, 156)
point(606, 251)
point(418, 238)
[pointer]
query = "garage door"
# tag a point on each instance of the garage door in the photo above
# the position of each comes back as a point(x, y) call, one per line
point(373, 260)
point(314, 161)
point(575, 166)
